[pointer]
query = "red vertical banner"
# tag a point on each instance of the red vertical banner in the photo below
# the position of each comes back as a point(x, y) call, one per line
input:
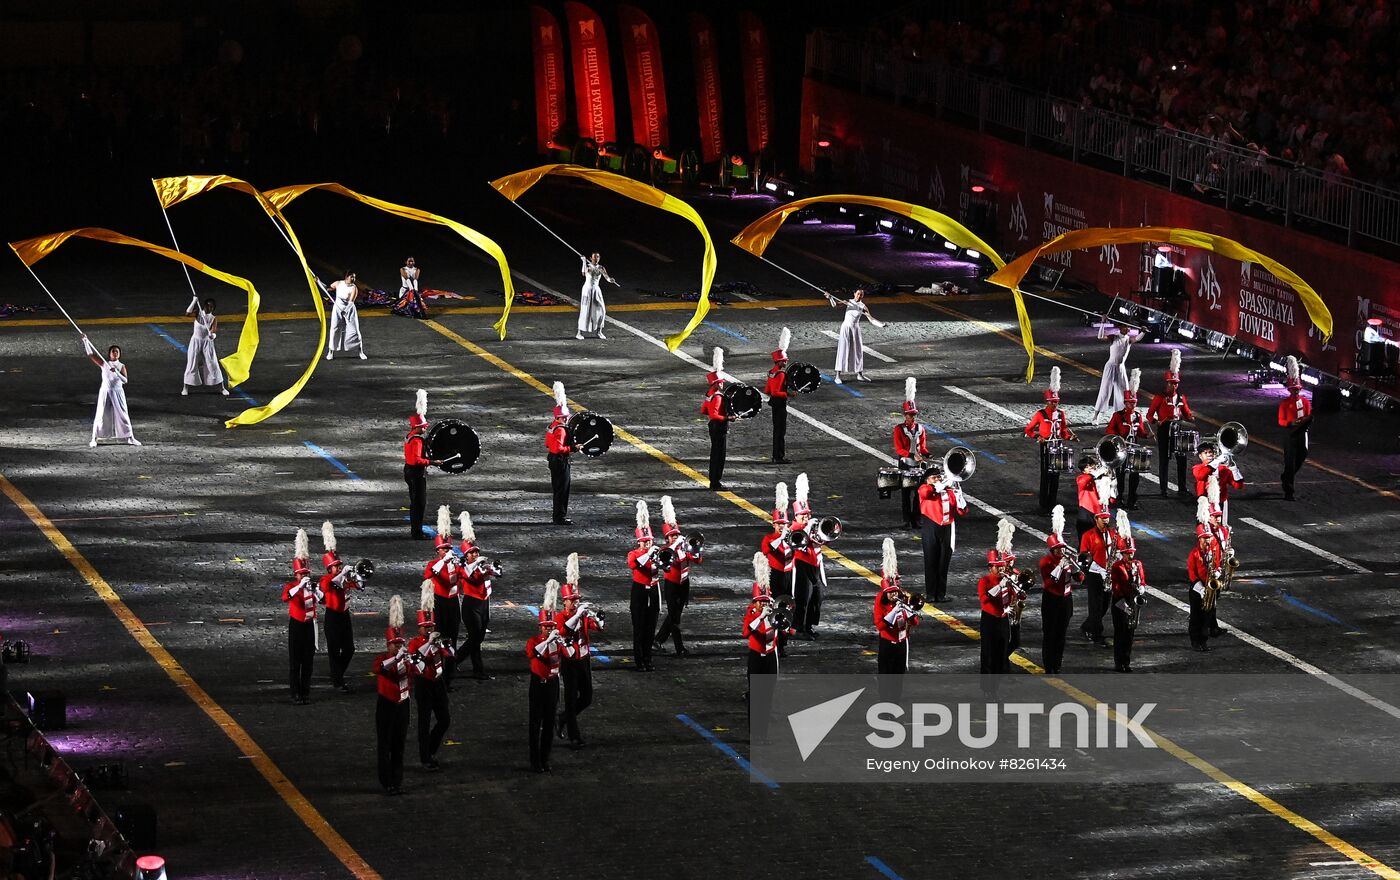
point(707, 94)
point(592, 76)
point(547, 42)
point(758, 91)
point(646, 83)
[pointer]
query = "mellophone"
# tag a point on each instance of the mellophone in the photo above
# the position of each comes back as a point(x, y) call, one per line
point(957, 464)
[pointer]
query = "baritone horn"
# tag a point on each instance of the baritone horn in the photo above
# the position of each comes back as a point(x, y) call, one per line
point(957, 464)
point(1112, 451)
point(1232, 438)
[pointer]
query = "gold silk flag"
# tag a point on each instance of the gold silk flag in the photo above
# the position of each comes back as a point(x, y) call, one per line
point(237, 365)
point(1011, 274)
point(512, 186)
point(173, 190)
point(756, 237)
point(285, 195)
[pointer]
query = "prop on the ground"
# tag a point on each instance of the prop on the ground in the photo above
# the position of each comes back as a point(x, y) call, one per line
point(405, 305)
point(683, 296)
point(9, 310)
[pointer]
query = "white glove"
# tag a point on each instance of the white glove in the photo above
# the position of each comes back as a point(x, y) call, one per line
point(1235, 472)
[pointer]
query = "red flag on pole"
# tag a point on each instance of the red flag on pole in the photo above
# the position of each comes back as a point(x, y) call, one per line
point(646, 83)
point(592, 75)
point(707, 91)
point(758, 66)
point(547, 41)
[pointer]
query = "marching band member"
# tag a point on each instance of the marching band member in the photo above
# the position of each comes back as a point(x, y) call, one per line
point(911, 447)
point(430, 681)
point(1168, 410)
point(592, 311)
point(1222, 543)
point(776, 389)
point(996, 597)
point(716, 410)
point(809, 574)
point(1201, 565)
point(477, 575)
point(345, 317)
point(645, 601)
point(1049, 423)
point(1093, 491)
point(1228, 474)
point(1129, 580)
point(894, 618)
point(1101, 545)
point(112, 420)
point(1129, 424)
point(576, 665)
point(392, 670)
point(1295, 414)
point(201, 359)
point(301, 596)
point(543, 651)
point(556, 441)
point(675, 588)
point(445, 575)
point(1058, 575)
point(415, 465)
point(410, 295)
point(782, 562)
point(1013, 578)
point(1115, 373)
point(336, 585)
point(941, 502)
point(761, 632)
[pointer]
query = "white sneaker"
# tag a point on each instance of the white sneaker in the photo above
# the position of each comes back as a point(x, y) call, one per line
point(92, 443)
point(578, 335)
point(184, 392)
point(837, 378)
point(600, 335)
point(363, 356)
point(132, 441)
point(225, 392)
point(330, 356)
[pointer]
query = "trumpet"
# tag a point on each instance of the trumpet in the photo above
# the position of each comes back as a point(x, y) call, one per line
point(665, 558)
point(1078, 562)
point(591, 610)
point(694, 543)
point(363, 571)
point(916, 601)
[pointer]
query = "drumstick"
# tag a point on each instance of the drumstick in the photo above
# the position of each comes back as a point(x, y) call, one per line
point(450, 457)
point(587, 442)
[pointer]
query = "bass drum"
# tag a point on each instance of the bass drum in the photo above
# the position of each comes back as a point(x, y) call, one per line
point(590, 433)
point(744, 401)
point(455, 444)
point(802, 378)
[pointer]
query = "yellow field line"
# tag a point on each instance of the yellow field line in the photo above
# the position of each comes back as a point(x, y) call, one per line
point(289, 793)
point(1209, 770)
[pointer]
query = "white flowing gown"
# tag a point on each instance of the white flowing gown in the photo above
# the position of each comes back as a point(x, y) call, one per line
point(345, 320)
point(112, 421)
point(201, 360)
point(1115, 378)
point(850, 346)
point(592, 312)
point(408, 281)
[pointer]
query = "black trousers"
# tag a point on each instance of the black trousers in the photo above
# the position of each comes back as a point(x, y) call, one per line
point(474, 616)
point(909, 506)
point(340, 644)
point(416, 478)
point(779, 407)
point(448, 614)
point(1055, 612)
point(938, 553)
point(782, 585)
point(646, 607)
point(807, 596)
point(1164, 445)
point(576, 677)
point(1122, 638)
point(431, 696)
point(1295, 452)
point(891, 659)
point(560, 480)
point(1202, 624)
point(1098, 606)
point(391, 729)
point(996, 635)
point(1013, 639)
point(1049, 480)
point(677, 596)
point(1129, 479)
point(301, 650)
point(1083, 522)
point(760, 703)
point(719, 448)
point(544, 703)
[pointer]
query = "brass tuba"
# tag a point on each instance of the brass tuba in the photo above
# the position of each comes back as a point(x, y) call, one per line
point(1232, 438)
point(1112, 451)
point(957, 464)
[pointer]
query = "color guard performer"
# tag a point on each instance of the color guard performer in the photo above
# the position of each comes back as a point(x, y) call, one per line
point(1059, 572)
point(1168, 410)
point(1102, 546)
point(645, 602)
point(477, 581)
point(112, 420)
point(894, 618)
point(809, 572)
point(345, 317)
point(1115, 372)
point(410, 295)
point(716, 410)
point(392, 671)
point(556, 441)
point(430, 681)
point(1129, 579)
point(592, 311)
point(336, 585)
point(1295, 414)
point(201, 359)
point(1228, 474)
point(543, 650)
point(776, 389)
point(941, 502)
point(1129, 424)
point(1049, 423)
point(445, 577)
point(576, 664)
point(301, 596)
point(782, 560)
point(911, 447)
point(996, 596)
point(1201, 565)
point(761, 631)
point(415, 465)
point(675, 588)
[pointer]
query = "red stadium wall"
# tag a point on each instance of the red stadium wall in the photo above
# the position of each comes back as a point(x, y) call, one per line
point(1028, 197)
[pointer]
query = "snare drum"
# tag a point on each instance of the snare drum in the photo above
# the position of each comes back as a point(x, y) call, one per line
point(1140, 459)
point(887, 480)
point(1185, 440)
point(911, 478)
point(1059, 457)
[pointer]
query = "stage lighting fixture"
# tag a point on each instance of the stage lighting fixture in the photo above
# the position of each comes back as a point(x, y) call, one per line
point(1186, 330)
point(1307, 377)
point(973, 255)
point(888, 224)
point(1275, 365)
point(979, 188)
point(950, 246)
point(823, 143)
point(841, 208)
point(150, 868)
point(771, 186)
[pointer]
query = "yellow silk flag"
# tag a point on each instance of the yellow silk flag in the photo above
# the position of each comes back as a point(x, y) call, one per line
point(755, 238)
point(174, 190)
point(1011, 274)
point(512, 186)
point(285, 195)
point(236, 365)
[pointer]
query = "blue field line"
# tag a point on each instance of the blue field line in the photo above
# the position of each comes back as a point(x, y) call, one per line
point(533, 609)
point(727, 749)
point(238, 392)
point(602, 658)
point(168, 338)
point(882, 868)
point(725, 330)
point(1139, 527)
point(845, 386)
point(1303, 606)
point(337, 463)
point(990, 456)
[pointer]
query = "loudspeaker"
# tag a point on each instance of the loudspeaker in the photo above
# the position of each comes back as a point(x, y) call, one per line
point(50, 710)
point(1327, 398)
point(137, 823)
